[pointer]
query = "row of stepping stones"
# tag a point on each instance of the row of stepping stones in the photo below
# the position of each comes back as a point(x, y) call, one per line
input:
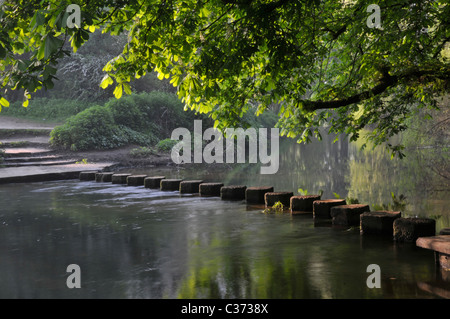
point(337, 210)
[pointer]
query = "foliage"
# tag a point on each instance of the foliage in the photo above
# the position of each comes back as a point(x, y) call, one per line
point(94, 128)
point(348, 200)
point(398, 203)
point(305, 192)
point(83, 161)
point(45, 109)
point(166, 145)
point(142, 151)
point(277, 208)
point(318, 60)
point(140, 119)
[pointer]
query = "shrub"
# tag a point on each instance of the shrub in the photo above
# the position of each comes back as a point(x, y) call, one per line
point(95, 128)
point(166, 145)
point(142, 151)
point(140, 119)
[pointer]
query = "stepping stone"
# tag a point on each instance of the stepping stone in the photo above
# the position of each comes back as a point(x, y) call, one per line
point(233, 192)
point(170, 184)
point(153, 182)
point(303, 203)
point(136, 180)
point(440, 245)
point(322, 208)
point(119, 178)
point(378, 222)
point(272, 197)
point(445, 231)
point(255, 195)
point(210, 189)
point(348, 215)
point(87, 176)
point(190, 187)
point(410, 229)
point(104, 177)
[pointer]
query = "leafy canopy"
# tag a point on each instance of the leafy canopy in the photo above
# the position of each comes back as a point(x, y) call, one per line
point(318, 61)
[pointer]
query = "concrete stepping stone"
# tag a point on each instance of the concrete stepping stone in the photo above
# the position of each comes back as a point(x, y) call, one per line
point(210, 189)
point(378, 222)
point(440, 245)
point(104, 177)
point(255, 195)
point(348, 215)
point(236, 192)
point(410, 229)
point(87, 176)
point(303, 203)
point(153, 181)
point(136, 180)
point(322, 208)
point(170, 184)
point(271, 198)
point(190, 187)
point(119, 178)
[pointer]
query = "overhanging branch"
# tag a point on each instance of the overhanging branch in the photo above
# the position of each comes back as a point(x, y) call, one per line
point(385, 82)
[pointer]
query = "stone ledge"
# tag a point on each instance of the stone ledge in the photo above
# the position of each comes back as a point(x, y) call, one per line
point(348, 215)
point(103, 177)
point(210, 189)
point(136, 180)
point(119, 178)
point(271, 198)
point(153, 181)
point(410, 229)
point(236, 192)
point(322, 208)
point(190, 187)
point(439, 243)
point(255, 195)
point(378, 222)
point(170, 184)
point(303, 203)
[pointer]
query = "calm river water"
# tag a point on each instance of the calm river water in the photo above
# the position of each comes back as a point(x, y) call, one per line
point(132, 242)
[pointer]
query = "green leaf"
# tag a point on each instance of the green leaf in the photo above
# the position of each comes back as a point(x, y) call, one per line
point(4, 102)
point(127, 88)
point(106, 81)
point(118, 91)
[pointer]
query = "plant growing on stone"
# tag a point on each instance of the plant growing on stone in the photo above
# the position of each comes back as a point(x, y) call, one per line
point(277, 208)
point(398, 203)
point(348, 200)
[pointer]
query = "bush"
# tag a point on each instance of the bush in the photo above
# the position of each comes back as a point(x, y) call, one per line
point(95, 128)
point(140, 119)
point(142, 151)
point(166, 145)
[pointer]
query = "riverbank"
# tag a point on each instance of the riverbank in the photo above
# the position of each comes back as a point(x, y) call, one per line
point(28, 156)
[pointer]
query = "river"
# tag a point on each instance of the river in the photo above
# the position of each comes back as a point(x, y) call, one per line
point(132, 242)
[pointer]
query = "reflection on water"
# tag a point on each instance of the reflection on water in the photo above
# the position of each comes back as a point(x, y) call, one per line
point(132, 242)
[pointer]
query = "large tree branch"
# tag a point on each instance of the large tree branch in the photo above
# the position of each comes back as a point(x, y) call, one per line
point(385, 82)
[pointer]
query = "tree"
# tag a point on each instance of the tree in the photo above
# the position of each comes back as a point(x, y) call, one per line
point(324, 63)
